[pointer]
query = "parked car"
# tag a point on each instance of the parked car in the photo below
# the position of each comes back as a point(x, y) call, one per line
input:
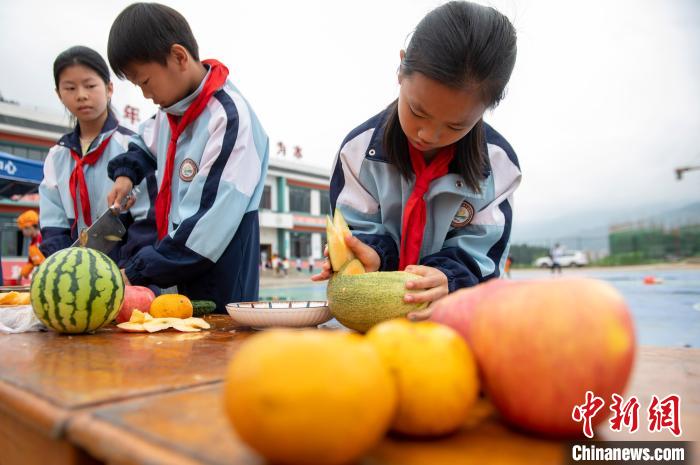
point(570, 258)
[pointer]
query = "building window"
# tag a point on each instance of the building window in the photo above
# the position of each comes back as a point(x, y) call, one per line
point(12, 242)
point(325, 203)
point(31, 153)
point(300, 244)
point(299, 199)
point(21, 151)
point(266, 200)
point(38, 154)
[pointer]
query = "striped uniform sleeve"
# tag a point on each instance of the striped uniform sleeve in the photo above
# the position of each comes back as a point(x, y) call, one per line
point(138, 161)
point(477, 252)
point(140, 219)
point(54, 223)
point(353, 191)
point(230, 173)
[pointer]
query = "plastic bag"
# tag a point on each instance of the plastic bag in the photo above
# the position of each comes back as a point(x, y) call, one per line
point(19, 319)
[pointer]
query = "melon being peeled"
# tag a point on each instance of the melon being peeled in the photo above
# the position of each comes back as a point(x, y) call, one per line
point(361, 301)
point(338, 253)
point(353, 267)
point(358, 299)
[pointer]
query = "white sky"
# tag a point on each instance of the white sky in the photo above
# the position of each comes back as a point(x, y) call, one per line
point(604, 102)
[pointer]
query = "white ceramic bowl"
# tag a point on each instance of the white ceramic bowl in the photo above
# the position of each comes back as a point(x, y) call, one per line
point(291, 314)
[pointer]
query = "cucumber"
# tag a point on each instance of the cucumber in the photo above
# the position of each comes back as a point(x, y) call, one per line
point(202, 307)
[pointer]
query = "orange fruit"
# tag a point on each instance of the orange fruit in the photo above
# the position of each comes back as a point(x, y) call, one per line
point(171, 306)
point(435, 372)
point(309, 396)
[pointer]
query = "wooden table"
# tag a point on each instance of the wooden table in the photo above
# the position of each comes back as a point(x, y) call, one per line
point(131, 398)
point(47, 378)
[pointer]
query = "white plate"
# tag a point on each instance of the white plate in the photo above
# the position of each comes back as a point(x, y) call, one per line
point(291, 314)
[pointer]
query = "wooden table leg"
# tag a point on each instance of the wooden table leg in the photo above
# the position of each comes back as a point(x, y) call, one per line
point(21, 444)
point(31, 431)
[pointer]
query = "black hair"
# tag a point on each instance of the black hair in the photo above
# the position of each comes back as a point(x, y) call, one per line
point(461, 45)
point(80, 55)
point(145, 32)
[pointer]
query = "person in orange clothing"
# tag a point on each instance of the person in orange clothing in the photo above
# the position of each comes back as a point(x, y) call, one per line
point(28, 223)
point(509, 262)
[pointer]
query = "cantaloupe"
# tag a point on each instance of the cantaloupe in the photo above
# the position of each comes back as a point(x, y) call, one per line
point(352, 267)
point(338, 252)
point(357, 299)
point(361, 301)
point(340, 224)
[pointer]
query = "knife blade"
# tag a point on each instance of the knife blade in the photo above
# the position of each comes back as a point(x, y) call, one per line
point(105, 232)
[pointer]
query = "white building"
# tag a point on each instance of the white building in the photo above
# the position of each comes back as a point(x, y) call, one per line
point(293, 208)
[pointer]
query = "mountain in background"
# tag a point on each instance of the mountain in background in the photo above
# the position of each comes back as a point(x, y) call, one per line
point(588, 230)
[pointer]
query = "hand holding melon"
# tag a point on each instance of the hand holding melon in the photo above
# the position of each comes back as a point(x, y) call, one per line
point(359, 299)
point(345, 249)
point(432, 286)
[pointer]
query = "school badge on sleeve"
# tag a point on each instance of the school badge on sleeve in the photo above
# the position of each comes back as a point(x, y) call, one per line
point(464, 215)
point(188, 169)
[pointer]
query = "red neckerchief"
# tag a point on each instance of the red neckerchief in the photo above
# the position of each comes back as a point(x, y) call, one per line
point(77, 180)
point(36, 240)
point(414, 213)
point(217, 77)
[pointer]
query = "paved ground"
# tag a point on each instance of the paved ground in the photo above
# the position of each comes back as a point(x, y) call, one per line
point(294, 278)
point(269, 280)
point(666, 314)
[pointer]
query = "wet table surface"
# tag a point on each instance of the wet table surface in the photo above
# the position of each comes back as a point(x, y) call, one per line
point(156, 398)
point(46, 379)
point(189, 426)
point(83, 370)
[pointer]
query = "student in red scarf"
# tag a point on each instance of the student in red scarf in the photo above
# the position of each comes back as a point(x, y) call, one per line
point(72, 193)
point(211, 156)
point(426, 185)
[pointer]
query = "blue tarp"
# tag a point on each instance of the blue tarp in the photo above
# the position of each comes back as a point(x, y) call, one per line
point(19, 175)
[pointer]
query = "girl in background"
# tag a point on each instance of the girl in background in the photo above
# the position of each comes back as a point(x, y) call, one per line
point(75, 186)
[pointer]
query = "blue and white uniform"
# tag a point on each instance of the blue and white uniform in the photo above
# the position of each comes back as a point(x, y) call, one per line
point(466, 233)
point(212, 247)
point(56, 211)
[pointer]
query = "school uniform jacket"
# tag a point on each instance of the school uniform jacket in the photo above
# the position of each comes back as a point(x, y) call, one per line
point(212, 247)
point(466, 233)
point(56, 211)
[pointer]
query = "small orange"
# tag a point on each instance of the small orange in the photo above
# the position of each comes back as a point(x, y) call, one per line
point(171, 306)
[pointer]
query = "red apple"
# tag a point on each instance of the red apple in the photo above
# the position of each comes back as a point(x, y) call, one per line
point(540, 345)
point(135, 297)
point(456, 309)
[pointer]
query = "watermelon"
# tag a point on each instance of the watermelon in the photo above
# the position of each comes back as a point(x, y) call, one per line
point(77, 290)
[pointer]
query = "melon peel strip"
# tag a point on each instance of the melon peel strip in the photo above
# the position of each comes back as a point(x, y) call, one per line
point(141, 322)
